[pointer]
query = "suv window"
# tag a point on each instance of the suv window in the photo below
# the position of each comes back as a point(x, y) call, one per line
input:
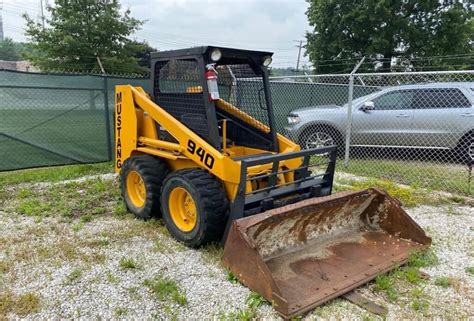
point(440, 98)
point(400, 99)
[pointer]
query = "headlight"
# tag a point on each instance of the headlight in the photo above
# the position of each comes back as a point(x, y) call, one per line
point(216, 55)
point(293, 119)
point(267, 61)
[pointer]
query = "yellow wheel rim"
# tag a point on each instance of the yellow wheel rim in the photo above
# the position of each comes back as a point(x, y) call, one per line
point(136, 189)
point(182, 209)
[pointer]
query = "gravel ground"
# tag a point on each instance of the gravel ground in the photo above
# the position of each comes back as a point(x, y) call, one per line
point(74, 270)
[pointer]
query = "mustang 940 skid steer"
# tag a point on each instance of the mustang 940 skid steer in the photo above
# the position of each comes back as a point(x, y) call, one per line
point(202, 150)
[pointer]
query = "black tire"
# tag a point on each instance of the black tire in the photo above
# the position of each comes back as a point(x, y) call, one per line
point(307, 138)
point(210, 202)
point(466, 149)
point(152, 171)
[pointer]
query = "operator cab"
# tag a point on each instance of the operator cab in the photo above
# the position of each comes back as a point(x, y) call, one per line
point(222, 94)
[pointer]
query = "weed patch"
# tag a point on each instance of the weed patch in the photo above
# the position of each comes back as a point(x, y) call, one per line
point(212, 253)
point(74, 275)
point(21, 305)
point(231, 277)
point(443, 282)
point(121, 312)
point(240, 315)
point(166, 289)
point(128, 263)
point(255, 300)
point(56, 174)
point(70, 200)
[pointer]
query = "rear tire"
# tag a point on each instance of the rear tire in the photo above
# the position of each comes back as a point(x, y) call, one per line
point(194, 207)
point(141, 178)
point(466, 148)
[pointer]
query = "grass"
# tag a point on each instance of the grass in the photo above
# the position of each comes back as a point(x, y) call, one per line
point(240, 315)
point(255, 300)
point(53, 174)
point(407, 196)
point(71, 200)
point(423, 258)
point(128, 263)
point(417, 174)
point(21, 305)
point(166, 289)
point(5, 266)
point(120, 312)
point(443, 282)
point(420, 305)
point(231, 277)
point(391, 283)
point(470, 270)
point(213, 253)
point(74, 275)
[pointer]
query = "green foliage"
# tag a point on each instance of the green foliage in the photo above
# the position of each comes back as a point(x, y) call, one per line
point(74, 275)
point(412, 275)
point(423, 258)
point(81, 32)
point(377, 29)
point(86, 218)
point(240, 315)
point(443, 282)
point(166, 289)
point(383, 282)
point(53, 174)
point(420, 305)
point(10, 50)
point(120, 312)
point(255, 300)
point(231, 277)
point(21, 305)
point(128, 263)
point(470, 270)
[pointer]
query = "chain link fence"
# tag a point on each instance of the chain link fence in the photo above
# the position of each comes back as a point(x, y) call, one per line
point(413, 128)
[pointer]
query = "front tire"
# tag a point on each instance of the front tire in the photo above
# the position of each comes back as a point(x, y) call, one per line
point(141, 178)
point(194, 207)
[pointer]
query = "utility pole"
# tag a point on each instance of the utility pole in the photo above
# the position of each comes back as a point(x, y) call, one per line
point(1, 20)
point(300, 46)
point(42, 13)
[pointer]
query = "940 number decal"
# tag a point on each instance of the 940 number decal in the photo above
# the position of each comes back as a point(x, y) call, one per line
point(205, 158)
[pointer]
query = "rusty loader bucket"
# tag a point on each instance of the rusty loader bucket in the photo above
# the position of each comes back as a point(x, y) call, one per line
point(302, 255)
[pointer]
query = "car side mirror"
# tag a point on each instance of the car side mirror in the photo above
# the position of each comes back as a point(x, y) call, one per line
point(367, 106)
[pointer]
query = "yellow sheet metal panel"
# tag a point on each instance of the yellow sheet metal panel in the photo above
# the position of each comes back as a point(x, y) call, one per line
point(195, 148)
point(125, 131)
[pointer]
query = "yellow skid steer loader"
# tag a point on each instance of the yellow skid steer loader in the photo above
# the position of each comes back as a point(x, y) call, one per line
point(202, 151)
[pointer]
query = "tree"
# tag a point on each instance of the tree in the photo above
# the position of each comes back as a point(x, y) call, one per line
point(141, 50)
point(344, 31)
point(81, 33)
point(9, 50)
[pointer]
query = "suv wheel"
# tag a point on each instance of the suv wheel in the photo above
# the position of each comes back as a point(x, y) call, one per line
point(318, 137)
point(467, 148)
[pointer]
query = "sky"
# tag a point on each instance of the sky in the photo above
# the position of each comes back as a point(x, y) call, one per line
point(271, 25)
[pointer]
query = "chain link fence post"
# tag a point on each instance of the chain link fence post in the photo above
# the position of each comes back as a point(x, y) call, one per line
point(349, 113)
point(107, 119)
